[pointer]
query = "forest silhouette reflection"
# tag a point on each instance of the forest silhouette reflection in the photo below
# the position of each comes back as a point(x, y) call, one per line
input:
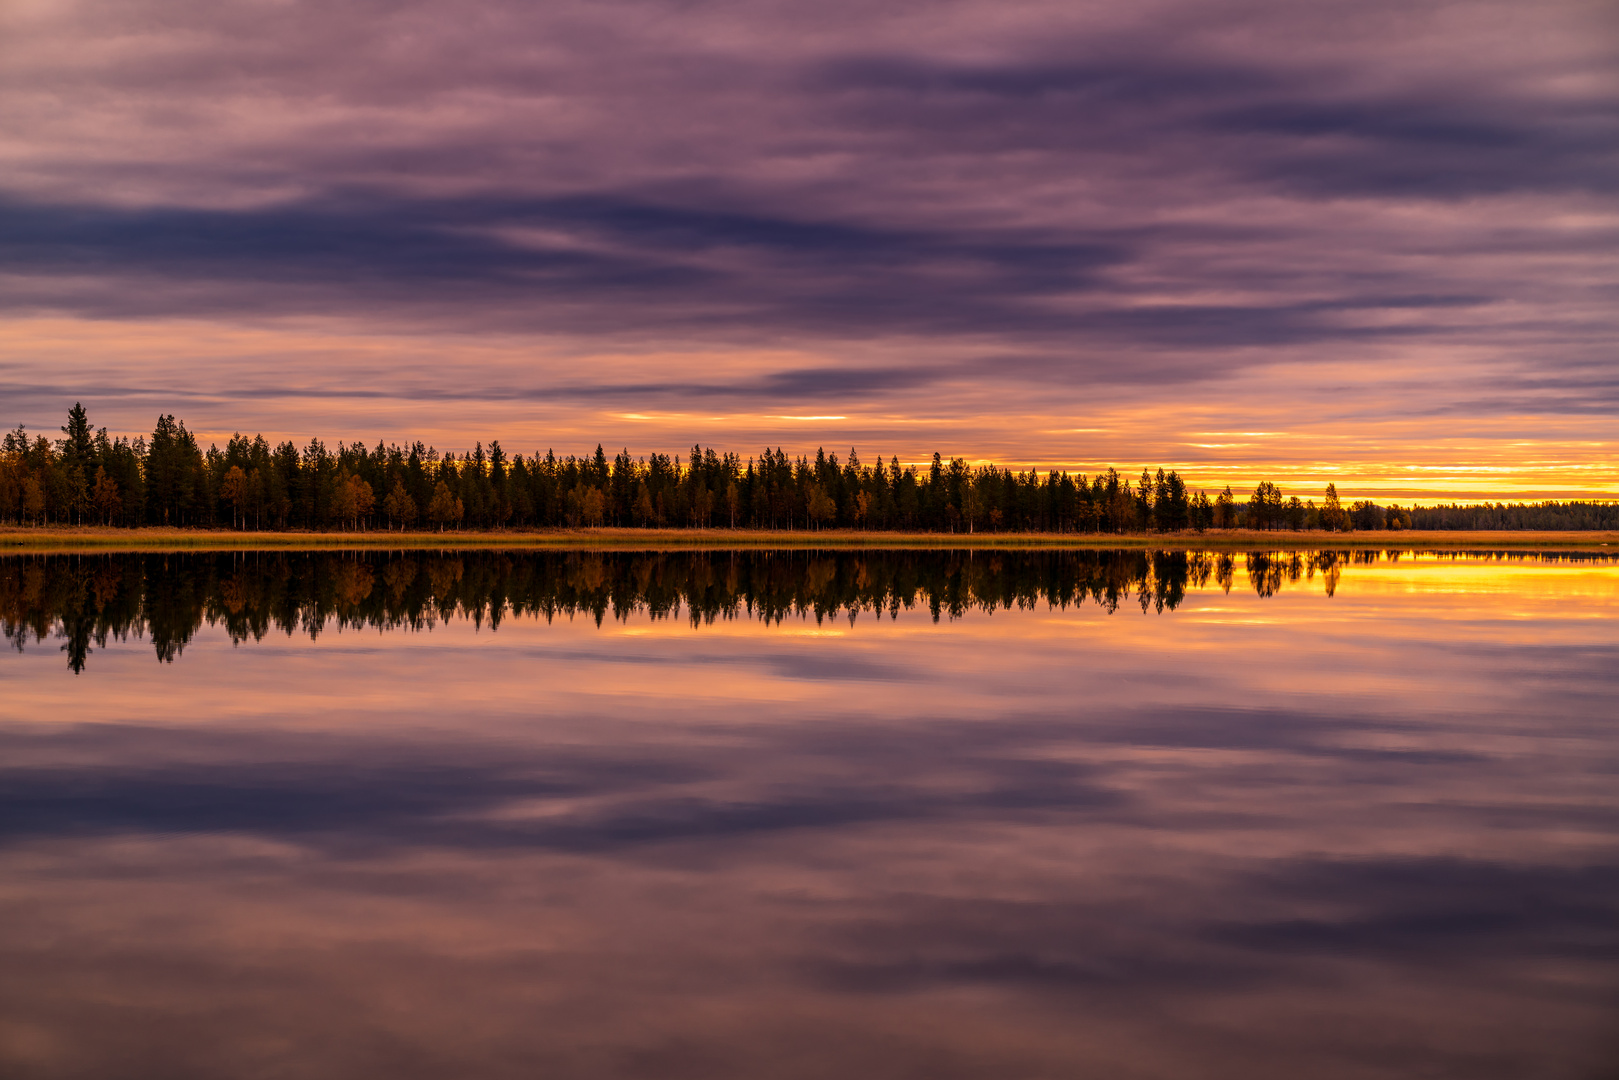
point(87, 600)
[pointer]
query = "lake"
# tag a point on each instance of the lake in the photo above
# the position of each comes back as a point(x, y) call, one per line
point(810, 814)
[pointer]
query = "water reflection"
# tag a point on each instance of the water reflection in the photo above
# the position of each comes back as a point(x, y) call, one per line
point(89, 600)
point(1276, 834)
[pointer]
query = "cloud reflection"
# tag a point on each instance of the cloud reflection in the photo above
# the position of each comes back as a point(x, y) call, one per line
point(1289, 834)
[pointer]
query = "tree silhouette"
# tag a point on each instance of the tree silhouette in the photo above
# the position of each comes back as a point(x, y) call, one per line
point(167, 479)
point(1333, 518)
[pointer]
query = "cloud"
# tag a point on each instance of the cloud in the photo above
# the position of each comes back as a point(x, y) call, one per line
point(618, 265)
point(572, 264)
point(1081, 198)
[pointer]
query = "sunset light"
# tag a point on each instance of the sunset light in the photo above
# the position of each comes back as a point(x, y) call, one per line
point(803, 539)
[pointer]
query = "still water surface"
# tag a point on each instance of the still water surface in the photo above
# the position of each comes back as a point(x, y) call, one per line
point(805, 815)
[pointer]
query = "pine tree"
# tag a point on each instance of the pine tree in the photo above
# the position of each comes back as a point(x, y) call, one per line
point(1225, 510)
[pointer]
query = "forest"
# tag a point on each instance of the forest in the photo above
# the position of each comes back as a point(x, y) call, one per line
point(86, 477)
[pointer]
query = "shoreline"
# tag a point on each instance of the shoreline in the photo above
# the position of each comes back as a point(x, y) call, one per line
point(23, 540)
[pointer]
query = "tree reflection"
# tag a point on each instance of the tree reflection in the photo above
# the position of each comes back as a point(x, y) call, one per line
point(88, 600)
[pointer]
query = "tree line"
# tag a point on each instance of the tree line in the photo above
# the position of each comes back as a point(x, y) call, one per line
point(168, 479)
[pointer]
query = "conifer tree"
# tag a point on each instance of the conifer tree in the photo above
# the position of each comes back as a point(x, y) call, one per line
point(1333, 518)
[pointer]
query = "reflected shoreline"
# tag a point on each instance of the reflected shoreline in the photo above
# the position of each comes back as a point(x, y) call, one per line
point(87, 600)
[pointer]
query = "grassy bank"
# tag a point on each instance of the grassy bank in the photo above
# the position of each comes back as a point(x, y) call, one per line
point(17, 540)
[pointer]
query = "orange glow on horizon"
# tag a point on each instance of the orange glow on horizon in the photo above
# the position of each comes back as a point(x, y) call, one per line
point(304, 379)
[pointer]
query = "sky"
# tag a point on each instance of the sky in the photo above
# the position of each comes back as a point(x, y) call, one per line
point(1370, 243)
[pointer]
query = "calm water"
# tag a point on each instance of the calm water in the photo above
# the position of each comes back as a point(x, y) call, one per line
point(809, 815)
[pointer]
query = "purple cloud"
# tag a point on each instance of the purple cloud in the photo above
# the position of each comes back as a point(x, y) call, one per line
point(991, 198)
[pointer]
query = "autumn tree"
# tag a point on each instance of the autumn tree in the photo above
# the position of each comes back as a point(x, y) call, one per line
point(592, 505)
point(399, 506)
point(342, 501)
point(445, 509)
point(363, 499)
point(11, 477)
point(819, 506)
point(33, 500)
point(233, 489)
point(104, 496)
